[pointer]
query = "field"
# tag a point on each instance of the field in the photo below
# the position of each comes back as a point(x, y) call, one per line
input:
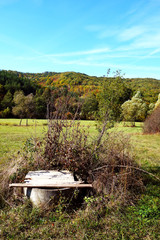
point(13, 137)
point(138, 220)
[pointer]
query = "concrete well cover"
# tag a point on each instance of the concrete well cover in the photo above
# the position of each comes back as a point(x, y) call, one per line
point(41, 196)
point(50, 177)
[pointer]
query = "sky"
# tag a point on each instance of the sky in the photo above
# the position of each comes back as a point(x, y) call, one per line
point(87, 36)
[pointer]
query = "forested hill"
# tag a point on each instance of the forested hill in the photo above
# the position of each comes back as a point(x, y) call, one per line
point(83, 84)
point(80, 85)
point(149, 87)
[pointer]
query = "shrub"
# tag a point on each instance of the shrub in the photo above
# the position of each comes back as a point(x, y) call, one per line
point(116, 173)
point(152, 123)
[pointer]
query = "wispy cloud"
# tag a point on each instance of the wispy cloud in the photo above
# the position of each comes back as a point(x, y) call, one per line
point(132, 32)
point(80, 53)
point(148, 41)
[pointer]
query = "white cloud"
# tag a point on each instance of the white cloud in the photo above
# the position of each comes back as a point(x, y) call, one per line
point(132, 32)
point(148, 41)
point(103, 31)
point(80, 53)
point(155, 51)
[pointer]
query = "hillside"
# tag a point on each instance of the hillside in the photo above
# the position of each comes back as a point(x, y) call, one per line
point(149, 87)
point(82, 83)
point(79, 85)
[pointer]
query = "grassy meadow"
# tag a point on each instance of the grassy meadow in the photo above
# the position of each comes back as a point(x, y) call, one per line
point(136, 220)
point(13, 137)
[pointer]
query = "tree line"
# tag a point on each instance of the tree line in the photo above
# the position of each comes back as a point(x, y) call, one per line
point(27, 95)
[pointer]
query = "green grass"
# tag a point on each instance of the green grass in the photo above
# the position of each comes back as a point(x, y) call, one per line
point(139, 220)
point(147, 149)
point(13, 137)
point(15, 122)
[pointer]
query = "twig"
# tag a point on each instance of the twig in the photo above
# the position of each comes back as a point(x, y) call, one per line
point(102, 132)
point(6, 201)
point(123, 166)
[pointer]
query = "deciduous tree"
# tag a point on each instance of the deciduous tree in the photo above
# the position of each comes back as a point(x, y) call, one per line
point(24, 105)
point(158, 101)
point(134, 109)
point(114, 93)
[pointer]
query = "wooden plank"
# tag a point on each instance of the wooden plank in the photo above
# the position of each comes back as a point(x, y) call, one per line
point(50, 185)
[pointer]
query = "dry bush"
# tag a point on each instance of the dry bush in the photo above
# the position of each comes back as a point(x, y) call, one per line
point(152, 123)
point(66, 147)
point(116, 173)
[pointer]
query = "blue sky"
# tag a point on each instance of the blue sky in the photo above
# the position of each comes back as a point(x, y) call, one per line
point(87, 36)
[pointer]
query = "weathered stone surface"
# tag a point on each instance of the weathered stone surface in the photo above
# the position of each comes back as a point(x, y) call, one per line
point(42, 196)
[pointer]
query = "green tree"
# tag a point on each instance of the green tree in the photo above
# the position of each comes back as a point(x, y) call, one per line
point(150, 108)
point(40, 107)
point(114, 93)
point(134, 109)
point(5, 113)
point(89, 107)
point(158, 101)
point(7, 100)
point(24, 106)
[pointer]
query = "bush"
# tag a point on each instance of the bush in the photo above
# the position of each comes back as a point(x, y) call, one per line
point(152, 123)
point(116, 173)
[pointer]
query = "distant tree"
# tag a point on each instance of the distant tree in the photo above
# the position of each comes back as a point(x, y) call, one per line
point(114, 93)
point(89, 107)
point(7, 100)
point(150, 108)
point(1, 92)
point(134, 109)
point(24, 106)
point(40, 107)
point(5, 113)
point(158, 101)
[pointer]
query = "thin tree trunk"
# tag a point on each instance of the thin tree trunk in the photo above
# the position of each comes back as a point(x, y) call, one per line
point(20, 122)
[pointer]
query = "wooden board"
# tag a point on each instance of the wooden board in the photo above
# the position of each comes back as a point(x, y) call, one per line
point(50, 185)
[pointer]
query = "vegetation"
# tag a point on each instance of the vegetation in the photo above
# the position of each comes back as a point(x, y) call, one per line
point(85, 92)
point(134, 109)
point(158, 101)
point(100, 216)
point(152, 123)
point(24, 105)
point(124, 201)
point(114, 92)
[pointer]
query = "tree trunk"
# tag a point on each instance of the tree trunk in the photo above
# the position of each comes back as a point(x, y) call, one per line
point(133, 124)
point(20, 122)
